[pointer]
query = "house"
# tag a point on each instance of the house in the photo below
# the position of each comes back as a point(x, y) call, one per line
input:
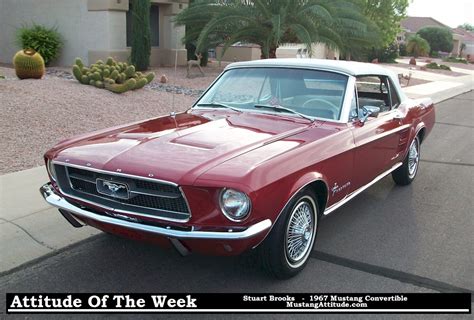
point(245, 52)
point(411, 25)
point(468, 40)
point(94, 29)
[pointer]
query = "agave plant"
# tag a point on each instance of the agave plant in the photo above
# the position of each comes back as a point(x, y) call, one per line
point(268, 23)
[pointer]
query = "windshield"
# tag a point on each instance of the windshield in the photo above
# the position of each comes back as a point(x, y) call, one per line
point(312, 93)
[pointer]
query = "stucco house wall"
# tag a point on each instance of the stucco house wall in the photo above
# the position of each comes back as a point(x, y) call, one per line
point(286, 50)
point(91, 29)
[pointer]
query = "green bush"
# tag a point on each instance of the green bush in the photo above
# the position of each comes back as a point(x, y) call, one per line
point(456, 60)
point(402, 50)
point(385, 55)
point(46, 41)
point(439, 39)
point(141, 34)
point(434, 65)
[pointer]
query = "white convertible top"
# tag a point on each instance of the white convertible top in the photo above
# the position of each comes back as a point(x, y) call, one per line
point(349, 67)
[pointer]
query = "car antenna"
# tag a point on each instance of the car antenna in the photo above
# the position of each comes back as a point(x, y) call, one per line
point(173, 112)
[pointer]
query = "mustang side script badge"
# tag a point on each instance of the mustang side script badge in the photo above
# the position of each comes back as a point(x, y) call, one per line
point(337, 189)
point(112, 189)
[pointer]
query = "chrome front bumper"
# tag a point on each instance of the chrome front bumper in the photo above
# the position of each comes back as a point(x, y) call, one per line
point(56, 200)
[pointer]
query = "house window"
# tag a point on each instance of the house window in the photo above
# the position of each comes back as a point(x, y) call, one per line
point(154, 25)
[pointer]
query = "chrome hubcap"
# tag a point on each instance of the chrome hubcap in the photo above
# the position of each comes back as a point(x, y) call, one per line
point(413, 158)
point(300, 232)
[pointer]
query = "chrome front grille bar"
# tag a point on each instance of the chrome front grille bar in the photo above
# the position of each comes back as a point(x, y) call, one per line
point(148, 197)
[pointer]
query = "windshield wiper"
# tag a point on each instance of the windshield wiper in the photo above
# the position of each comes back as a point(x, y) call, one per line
point(284, 109)
point(217, 105)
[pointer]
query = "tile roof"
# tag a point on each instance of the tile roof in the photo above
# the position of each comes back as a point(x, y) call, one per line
point(466, 35)
point(414, 24)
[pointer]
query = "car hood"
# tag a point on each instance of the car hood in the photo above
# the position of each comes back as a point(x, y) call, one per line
point(177, 148)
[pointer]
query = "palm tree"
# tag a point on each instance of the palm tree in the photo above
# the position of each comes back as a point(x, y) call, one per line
point(418, 46)
point(461, 49)
point(268, 23)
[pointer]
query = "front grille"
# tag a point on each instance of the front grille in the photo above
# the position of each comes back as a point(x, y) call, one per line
point(133, 194)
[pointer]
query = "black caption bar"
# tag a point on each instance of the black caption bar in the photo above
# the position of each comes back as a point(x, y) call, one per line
point(239, 303)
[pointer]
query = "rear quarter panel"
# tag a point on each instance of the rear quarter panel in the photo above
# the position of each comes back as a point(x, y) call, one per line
point(420, 114)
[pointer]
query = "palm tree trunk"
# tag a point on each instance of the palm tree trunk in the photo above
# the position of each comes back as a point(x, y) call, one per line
point(271, 53)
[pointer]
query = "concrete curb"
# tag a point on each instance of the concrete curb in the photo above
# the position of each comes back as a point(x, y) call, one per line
point(30, 229)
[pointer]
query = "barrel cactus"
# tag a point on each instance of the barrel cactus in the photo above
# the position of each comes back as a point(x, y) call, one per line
point(118, 77)
point(29, 64)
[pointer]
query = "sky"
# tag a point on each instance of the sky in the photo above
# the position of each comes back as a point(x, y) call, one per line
point(449, 12)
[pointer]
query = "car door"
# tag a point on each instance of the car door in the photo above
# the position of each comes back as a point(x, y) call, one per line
point(377, 140)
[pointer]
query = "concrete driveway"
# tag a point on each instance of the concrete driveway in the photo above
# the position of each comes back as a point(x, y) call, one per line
point(389, 239)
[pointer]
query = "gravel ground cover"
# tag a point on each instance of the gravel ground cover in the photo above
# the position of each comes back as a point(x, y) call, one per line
point(36, 114)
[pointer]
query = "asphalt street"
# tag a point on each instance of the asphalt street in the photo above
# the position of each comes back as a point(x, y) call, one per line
point(388, 239)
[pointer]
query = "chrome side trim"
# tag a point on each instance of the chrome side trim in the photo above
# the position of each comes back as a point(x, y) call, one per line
point(360, 190)
point(112, 173)
point(55, 200)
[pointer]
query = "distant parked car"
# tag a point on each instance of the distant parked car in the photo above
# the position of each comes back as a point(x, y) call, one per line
point(264, 153)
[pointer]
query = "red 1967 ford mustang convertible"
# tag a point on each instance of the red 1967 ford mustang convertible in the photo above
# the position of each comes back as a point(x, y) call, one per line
point(270, 148)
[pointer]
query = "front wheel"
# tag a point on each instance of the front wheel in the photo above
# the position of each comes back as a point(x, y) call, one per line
point(287, 248)
point(407, 172)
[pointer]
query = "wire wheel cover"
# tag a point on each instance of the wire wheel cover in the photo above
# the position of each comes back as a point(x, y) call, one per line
point(413, 158)
point(300, 232)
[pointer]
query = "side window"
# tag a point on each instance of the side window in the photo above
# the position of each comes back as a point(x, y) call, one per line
point(374, 91)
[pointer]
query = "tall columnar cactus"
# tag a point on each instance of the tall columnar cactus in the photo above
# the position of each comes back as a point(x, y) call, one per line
point(141, 34)
point(28, 64)
point(117, 77)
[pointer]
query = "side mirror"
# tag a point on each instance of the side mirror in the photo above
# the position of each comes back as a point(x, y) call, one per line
point(368, 111)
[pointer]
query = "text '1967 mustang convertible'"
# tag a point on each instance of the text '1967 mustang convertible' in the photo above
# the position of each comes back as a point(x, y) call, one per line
point(268, 149)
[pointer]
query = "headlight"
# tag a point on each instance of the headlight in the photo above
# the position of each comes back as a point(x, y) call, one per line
point(51, 170)
point(234, 204)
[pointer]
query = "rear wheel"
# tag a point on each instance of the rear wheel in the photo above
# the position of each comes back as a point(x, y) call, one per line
point(407, 172)
point(287, 248)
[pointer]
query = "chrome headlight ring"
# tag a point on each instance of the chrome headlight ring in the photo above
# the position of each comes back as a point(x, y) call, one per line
point(234, 204)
